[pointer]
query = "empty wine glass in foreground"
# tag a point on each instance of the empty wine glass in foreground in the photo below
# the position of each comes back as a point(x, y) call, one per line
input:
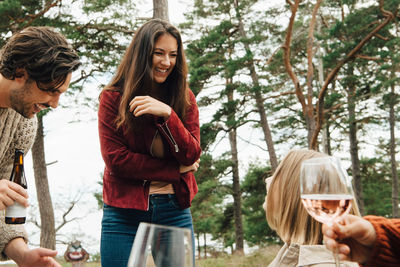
point(325, 190)
point(161, 246)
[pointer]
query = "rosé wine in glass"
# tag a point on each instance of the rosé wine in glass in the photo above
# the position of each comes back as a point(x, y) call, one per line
point(326, 208)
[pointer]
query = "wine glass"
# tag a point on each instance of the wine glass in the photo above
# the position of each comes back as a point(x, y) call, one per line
point(325, 190)
point(161, 246)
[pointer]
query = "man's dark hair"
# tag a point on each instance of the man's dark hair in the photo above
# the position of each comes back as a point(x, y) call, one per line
point(43, 53)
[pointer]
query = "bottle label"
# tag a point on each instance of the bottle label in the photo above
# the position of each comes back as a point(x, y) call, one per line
point(16, 211)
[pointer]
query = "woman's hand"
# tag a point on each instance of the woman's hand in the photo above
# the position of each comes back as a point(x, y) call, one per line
point(354, 237)
point(190, 168)
point(141, 105)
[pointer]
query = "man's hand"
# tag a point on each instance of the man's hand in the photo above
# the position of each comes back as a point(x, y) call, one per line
point(354, 237)
point(11, 192)
point(18, 251)
point(38, 257)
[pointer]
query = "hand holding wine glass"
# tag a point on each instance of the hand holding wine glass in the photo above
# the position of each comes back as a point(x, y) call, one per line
point(326, 190)
point(356, 237)
point(161, 246)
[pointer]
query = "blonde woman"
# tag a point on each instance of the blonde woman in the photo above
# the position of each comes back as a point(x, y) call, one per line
point(287, 216)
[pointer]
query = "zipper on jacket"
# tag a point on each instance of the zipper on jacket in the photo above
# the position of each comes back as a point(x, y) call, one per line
point(169, 135)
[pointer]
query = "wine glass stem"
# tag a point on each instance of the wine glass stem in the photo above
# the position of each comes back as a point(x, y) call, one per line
point(336, 256)
point(336, 252)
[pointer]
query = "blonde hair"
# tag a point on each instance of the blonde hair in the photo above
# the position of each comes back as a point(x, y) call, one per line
point(285, 213)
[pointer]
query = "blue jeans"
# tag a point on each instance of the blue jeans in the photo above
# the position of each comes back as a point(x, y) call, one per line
point(119, 226)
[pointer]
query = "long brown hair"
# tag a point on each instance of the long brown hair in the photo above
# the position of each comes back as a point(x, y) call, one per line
point(135, 77)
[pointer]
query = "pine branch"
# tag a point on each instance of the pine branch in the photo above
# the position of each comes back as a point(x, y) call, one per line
point(29, 19)
point(350, 56)
point(286, 55)
point(367, 57)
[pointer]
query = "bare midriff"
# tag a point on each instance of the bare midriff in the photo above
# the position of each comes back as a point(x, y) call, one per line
point(158, 187)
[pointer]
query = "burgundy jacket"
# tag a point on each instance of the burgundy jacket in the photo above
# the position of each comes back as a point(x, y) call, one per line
point(129, 165)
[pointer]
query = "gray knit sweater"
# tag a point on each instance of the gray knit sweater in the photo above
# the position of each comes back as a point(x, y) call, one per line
point(15, 132)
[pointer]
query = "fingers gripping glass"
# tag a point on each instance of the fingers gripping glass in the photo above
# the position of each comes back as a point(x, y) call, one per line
point(161, 246)
point(325, 189)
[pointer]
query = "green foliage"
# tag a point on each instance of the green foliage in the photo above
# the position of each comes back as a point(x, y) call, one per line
point(206, 56)
point(209, 214)
point(224, 226)
point(96, 5)
point(208, 134)
point(257, 231)
point(377, 188)
point(206, 205)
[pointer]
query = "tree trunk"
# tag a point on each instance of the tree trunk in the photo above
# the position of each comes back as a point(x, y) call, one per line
point(306, 104)
point(237, 203)
point(395, 181)
point(258, 96)
point(205, 245)
point(326, 137)
point(47, 224)
point(160, 9)
point(198, 246)
point(266, 130)
point(355, 162)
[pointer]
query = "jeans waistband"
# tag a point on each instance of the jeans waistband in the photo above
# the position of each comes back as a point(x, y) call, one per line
point(162, 196)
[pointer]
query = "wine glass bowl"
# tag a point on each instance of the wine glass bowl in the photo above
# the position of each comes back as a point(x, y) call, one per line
point(161, 246)
point(325, 189)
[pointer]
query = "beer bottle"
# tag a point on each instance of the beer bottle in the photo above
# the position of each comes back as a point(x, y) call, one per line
point(16, 213)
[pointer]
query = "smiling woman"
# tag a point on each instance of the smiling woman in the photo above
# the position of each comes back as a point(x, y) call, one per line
point(149, 138)
point(164, 57)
